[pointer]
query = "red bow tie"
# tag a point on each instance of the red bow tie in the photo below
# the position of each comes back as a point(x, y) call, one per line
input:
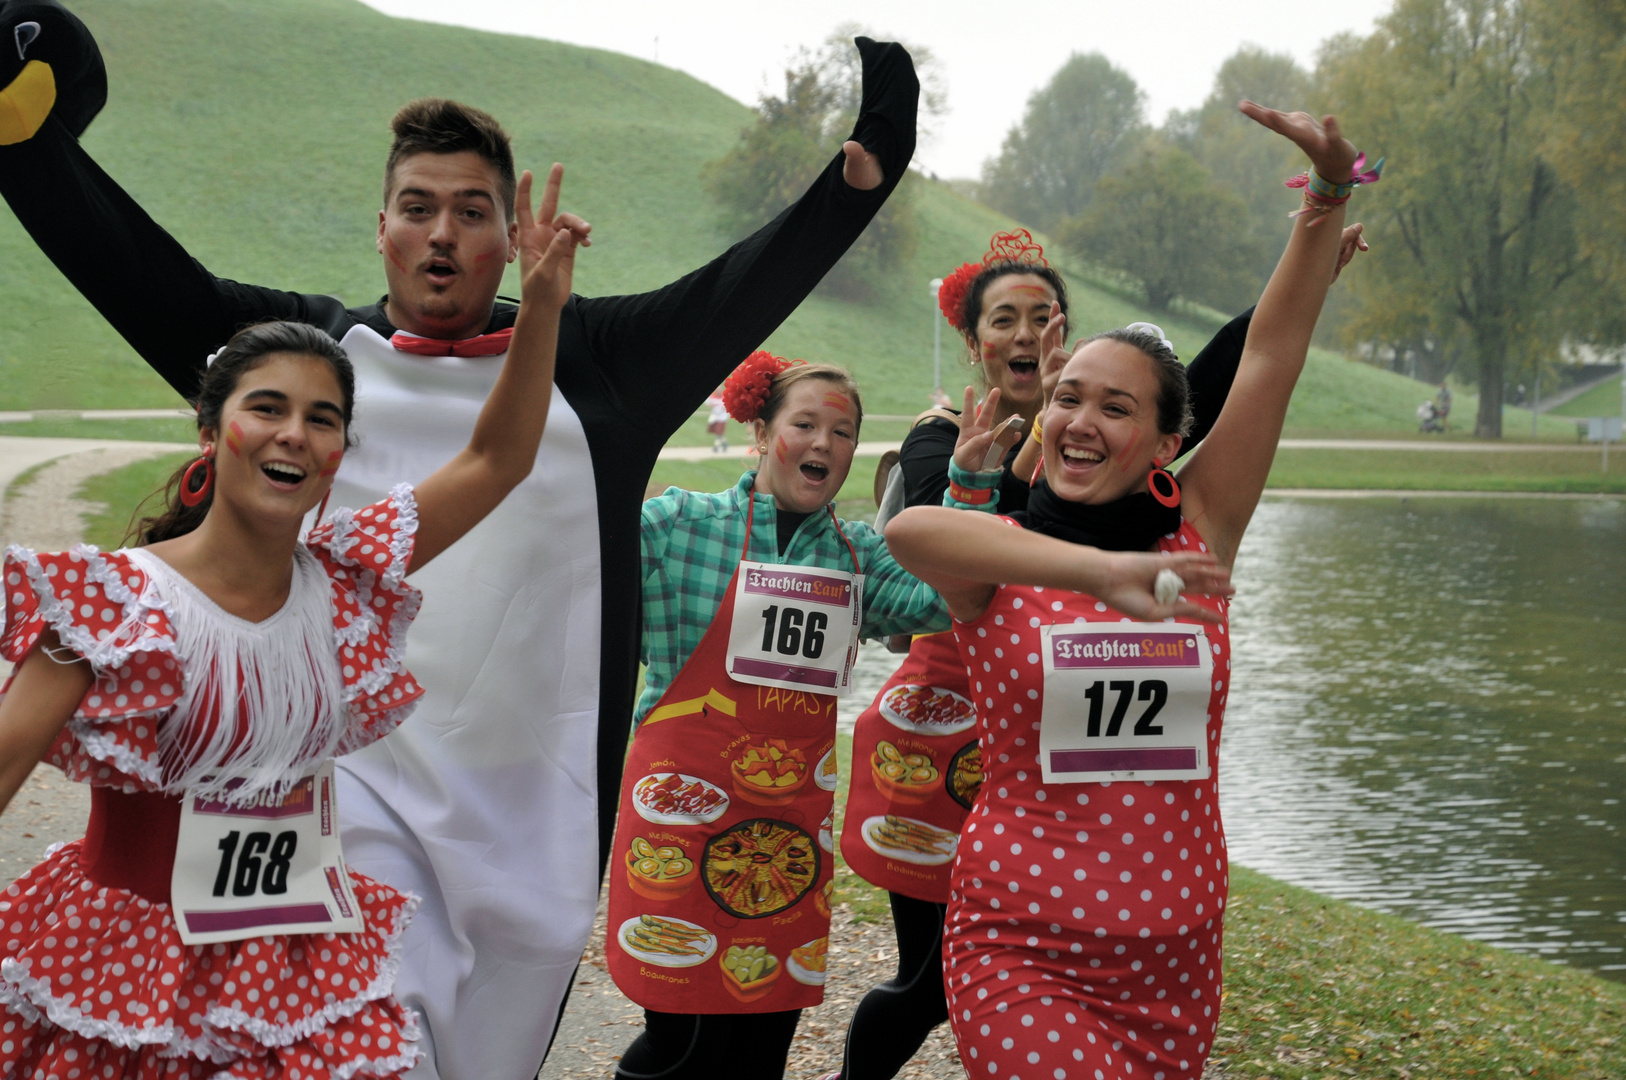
point(483, 345)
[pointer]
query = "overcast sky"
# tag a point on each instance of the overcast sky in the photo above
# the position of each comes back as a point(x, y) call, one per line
point(993, 55)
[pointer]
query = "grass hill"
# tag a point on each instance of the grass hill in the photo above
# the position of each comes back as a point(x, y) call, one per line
point(255, 130)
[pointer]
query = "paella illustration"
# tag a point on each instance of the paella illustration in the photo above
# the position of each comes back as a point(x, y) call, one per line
point(760, 867)
point(965, 774)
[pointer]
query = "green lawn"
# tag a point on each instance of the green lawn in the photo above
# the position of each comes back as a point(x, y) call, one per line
point(1513, 470)
point(1602, 400)
point(121, 492)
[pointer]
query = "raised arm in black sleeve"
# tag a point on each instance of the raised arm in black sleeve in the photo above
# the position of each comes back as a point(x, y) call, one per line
point(660, 353)
point(1210, 375)
point(162, 301)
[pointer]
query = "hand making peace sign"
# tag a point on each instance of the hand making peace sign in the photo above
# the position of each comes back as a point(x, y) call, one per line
point(536, 232)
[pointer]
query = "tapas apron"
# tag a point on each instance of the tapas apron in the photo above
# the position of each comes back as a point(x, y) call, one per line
point(724, 856)
point(916, 769)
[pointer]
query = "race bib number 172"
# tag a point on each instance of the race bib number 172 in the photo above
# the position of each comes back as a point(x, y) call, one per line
point(1125, 701)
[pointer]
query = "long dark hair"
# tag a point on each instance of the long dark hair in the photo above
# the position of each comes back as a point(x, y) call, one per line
point(247, 350)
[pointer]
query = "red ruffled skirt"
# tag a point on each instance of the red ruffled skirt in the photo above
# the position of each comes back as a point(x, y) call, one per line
point(95, 984)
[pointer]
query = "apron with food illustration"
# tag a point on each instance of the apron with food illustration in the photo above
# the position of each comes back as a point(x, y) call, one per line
point(724, 856)
point(916, 769)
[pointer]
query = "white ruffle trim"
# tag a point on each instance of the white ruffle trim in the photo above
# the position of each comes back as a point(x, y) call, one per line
point(31, 999)
point(99, 651)
point(277, 1035)
point(358, 628)
point(108, 750)
point(24, 994)
point(404, 532)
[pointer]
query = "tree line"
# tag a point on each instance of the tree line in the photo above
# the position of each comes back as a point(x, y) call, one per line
point(1498, 232)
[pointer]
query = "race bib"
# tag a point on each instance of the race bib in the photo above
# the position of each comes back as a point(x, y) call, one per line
point(271, 867)
point(1124, 701)
point(795, 627)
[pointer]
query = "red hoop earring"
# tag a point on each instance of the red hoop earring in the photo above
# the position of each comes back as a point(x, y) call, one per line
point(190, 497)
point(1161, 483)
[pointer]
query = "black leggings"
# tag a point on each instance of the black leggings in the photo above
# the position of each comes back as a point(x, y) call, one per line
point(893, 1020)
point(683, 1046)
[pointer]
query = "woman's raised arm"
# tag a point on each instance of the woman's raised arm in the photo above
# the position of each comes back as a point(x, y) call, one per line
point(1222, 482)
point(502, 450)
point(964, 556)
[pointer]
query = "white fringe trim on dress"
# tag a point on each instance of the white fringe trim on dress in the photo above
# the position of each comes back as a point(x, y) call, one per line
point(260, 702)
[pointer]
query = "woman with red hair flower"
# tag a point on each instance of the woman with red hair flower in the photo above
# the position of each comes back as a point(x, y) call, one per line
point(753, 602)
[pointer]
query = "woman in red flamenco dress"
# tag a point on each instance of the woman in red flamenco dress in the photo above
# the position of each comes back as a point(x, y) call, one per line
point(201, 683)
point(1085, 923)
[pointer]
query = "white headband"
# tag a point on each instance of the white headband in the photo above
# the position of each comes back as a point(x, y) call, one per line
point(1154, 330)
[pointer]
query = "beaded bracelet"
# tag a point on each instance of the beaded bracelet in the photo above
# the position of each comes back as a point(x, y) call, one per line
point(1322, 196)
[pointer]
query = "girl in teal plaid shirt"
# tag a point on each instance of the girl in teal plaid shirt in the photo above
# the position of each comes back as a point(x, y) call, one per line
point(723, 859)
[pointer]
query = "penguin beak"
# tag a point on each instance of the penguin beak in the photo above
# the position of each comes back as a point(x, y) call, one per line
point(26, 103)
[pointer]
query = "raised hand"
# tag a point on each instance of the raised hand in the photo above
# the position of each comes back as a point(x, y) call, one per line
point(1323, 142)
point(978, 435)
point(548, 279)
point(537, 232)
point(1351, 242)
point(1131, 577)
point(862, 169)
point(1053, 353)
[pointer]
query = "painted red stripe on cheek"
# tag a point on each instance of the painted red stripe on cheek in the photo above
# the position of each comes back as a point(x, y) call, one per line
point(780, 450)
point(333, 461)
point(234, 439)
point(394, 254)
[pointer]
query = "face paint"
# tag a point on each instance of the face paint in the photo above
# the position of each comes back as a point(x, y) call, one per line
point(989, 352)
point(234, 439)
point(394, 254)
point(779, 449)
point(1032, 290)
point(481, 260)
point(1128, 460)
point(833, 400)
point(332, 465)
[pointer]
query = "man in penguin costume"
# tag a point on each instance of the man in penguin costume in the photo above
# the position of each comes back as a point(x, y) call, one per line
point(495, 804)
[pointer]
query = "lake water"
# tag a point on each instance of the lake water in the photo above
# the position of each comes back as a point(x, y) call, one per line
point(1429, 714)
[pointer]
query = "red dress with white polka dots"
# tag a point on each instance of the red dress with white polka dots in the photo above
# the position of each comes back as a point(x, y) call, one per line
point(95, 981)
point(1084, 925)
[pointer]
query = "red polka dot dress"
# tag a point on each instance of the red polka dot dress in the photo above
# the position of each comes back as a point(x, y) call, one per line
point(1084, 925)
point(95, 981)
